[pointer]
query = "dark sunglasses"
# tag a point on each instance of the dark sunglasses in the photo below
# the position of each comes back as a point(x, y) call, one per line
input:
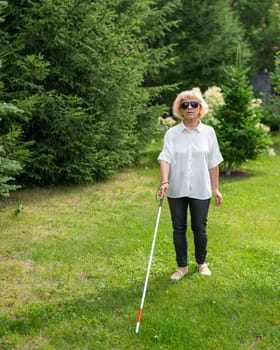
point(185, 105)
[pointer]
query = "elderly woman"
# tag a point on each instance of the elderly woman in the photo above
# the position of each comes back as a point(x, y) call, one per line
point(189, 169)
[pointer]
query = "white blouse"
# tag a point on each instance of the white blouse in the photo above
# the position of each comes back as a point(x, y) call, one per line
point(190, 155)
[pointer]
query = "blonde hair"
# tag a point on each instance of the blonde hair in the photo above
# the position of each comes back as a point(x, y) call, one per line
point(193, 95)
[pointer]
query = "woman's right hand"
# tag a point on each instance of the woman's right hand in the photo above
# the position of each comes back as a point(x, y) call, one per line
point(162, 191)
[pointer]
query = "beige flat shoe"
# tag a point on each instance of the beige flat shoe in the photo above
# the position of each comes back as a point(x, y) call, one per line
point(177, 275)
point(204, 270)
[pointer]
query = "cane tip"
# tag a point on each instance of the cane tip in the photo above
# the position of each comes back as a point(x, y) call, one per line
point(137, 328)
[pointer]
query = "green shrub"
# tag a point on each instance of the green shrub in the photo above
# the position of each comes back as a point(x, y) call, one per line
point(239, 131)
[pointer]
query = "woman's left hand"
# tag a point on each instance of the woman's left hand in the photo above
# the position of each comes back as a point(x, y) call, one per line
point(218, 198)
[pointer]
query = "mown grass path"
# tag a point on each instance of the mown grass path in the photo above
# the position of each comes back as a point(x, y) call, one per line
point(73, 264)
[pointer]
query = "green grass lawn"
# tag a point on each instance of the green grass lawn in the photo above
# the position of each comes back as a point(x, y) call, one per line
point(73, 265)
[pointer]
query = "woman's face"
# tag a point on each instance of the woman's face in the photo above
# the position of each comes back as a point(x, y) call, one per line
point(190, 109)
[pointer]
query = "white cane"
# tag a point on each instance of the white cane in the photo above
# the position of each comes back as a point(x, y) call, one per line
point(148, 270)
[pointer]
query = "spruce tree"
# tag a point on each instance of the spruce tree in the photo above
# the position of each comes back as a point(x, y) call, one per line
point(238, 128)
point(13, 152)
point(79, 70)
point(205, 43)
point(261, 20)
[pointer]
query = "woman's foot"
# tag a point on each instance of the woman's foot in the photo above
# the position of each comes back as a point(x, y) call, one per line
point(181, 271)
point(204, 270)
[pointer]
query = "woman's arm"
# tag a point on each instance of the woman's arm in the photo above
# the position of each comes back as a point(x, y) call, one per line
point(214, 177)
point(164, 174)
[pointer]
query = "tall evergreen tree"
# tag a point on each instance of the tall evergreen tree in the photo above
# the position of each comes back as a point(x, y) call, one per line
point(77, 68)
point(206, 42)
point(261, 20)
point(13, 152)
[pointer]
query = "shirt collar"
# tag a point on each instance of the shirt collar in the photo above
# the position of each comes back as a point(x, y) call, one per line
point(184, 128)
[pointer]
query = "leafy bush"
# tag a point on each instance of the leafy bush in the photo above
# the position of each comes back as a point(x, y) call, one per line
point(271, 113)
point(214, 98)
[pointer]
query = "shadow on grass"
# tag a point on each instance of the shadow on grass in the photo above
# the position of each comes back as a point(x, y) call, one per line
point(107, 318)
point(104, 319)
point(241, 175)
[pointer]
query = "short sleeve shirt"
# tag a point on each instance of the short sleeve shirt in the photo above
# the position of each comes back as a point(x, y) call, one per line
point(190, 155)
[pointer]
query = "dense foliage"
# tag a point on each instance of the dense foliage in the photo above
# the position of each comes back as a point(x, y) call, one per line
point(271, 111)
point(261, 21)
point(13, 151)
point(77, 70)
point(206, 42)
point(87, 80)
point(237, 121)
point(9, 163)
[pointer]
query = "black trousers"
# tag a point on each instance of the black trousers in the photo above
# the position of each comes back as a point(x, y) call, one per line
point(179, 215)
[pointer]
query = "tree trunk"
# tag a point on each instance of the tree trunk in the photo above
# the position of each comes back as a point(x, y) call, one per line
point(228, 169)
